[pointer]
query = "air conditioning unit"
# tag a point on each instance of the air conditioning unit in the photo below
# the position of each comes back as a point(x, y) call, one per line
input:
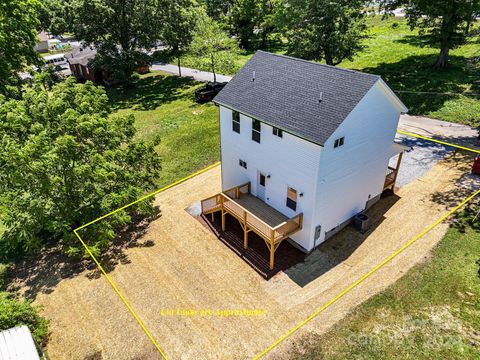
point(361, 222)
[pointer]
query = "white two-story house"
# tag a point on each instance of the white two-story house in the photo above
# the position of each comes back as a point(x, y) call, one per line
point(311, 142)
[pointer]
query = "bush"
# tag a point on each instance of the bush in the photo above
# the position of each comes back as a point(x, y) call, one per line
point(395, 25)
point(15, 312)
point(3, 276)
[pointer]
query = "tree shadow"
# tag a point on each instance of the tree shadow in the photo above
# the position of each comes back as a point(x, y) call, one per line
point(415, 74)
point(416, 40)
point(148, 93)
point(464, 186)
point(41, 272)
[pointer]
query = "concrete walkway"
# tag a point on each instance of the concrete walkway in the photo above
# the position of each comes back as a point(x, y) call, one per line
point(442, 130)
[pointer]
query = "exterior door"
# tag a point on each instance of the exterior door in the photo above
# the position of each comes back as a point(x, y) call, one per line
point(261, 186)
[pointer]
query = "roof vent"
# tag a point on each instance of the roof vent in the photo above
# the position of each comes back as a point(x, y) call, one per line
point(253, 76)
point(320, 99)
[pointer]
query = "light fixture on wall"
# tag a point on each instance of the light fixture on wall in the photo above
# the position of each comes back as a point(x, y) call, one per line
point(268, 176)
point(301, 194)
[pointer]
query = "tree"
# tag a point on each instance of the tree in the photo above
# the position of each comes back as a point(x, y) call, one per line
point(65, 160)
point(242, 18)
point(18, 22)
point(16, 312)
point(178, 26)
point(121, 31)
point(250, 19)
point(446, 22)
point(330, 30)
point(56, 16)
point(212, 47)
point(216, 9)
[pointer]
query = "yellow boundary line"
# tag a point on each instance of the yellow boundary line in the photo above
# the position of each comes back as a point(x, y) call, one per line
point(438, 141)
point(112, 284)
point(345, 291)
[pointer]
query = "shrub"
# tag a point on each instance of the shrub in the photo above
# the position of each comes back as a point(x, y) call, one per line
point(3, 276)
point(16, 312)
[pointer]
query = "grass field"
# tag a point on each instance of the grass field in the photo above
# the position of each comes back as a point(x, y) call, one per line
point(432, 312)
point(164, 105)
point(404, 59)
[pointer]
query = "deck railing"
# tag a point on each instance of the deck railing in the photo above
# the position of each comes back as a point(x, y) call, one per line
point(226, 200)
point(273, 235)
point(390, 177)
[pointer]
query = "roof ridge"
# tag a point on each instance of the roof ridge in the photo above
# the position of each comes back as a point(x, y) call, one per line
point(320, 64)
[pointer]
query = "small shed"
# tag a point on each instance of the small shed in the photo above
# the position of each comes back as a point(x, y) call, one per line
point(17, 344)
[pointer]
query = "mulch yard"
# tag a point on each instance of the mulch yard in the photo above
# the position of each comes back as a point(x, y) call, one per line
point(181, 283)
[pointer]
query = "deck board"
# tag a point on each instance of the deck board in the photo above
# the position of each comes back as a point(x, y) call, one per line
point(260, 209)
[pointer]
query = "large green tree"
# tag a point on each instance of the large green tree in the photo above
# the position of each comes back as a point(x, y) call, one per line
point(446, 22)
point(65, 160)
point(330, 30)
point(178, 25)
point(121, 30)
point(18, 23)
point(212, 47)
point(250, 19)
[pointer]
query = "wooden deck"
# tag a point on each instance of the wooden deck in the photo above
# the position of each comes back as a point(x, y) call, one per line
point(253, 215)
point(263, 211)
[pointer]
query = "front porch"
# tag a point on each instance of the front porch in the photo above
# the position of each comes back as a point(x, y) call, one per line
point(254, 215)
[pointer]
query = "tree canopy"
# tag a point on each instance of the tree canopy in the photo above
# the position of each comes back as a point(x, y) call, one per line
point(120, 30)
point(446, 22)
point(251, 19)
point(213, 47)
point(324, 29)
point(65, 160)
point(179, 19)
point(18, 36)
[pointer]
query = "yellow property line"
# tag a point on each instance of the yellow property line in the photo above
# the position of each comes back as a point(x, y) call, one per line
point(356, 283)
point(438, 141)
point(112, 284)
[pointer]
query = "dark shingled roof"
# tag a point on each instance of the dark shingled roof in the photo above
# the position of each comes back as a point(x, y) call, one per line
point(286, 94)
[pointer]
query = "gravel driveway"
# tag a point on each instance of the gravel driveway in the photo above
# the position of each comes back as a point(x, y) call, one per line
point(422, 156)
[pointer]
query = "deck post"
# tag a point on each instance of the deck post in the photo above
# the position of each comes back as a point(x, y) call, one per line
point(245, 231)
point(223, 213)
point(396, 169)
point(272, 249)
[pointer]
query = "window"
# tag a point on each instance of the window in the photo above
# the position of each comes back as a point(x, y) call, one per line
point(292, 198)
point(262, 179)
point(236, 121)
point(242, 163)
point(277, 132)
point(339, 142)
point(256, 130)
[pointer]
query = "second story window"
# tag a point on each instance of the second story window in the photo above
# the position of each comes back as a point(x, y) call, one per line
point(256, 130)
point(277, 132)
point(339, 142)
point(236, 121)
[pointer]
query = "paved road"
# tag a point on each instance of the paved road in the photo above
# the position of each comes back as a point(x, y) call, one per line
point(188, 72)
point(442, 130)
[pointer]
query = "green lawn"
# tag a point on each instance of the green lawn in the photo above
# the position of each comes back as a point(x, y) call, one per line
point(433, 312)
point(164, 105)
point(404, 60)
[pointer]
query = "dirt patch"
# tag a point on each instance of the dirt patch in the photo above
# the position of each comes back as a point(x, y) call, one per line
point(187, 268)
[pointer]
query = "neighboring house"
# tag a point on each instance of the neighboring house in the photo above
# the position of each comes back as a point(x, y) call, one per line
point(304, 148)
point(42, 44)
point(18, 344)
point(80, 62)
